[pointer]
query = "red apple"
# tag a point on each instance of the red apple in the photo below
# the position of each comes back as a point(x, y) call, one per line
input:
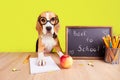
point(66, 61)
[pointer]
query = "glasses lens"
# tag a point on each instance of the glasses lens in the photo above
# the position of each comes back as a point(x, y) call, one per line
point(43, 20)
point(57, 21)
point(54, 20)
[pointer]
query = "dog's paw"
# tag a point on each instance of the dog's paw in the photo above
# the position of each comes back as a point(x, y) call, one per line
point(41, 59)
point(41, 62)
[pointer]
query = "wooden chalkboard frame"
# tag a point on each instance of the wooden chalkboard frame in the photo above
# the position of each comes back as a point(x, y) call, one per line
point(83, 27)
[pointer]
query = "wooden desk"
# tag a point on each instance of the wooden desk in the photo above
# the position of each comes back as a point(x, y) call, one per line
point(79, 71)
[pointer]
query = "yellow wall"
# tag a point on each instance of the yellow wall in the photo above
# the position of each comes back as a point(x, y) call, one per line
point(18, 19)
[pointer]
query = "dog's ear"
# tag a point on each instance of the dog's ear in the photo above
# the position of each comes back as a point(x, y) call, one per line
point(38, 26)
point(57, 26)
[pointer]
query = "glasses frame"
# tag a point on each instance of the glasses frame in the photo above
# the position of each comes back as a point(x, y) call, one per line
point(56, 20)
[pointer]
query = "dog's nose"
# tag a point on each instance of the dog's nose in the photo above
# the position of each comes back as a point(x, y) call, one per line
point(48, 28)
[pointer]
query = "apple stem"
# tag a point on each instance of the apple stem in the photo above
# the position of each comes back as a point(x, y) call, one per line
point(60, 54)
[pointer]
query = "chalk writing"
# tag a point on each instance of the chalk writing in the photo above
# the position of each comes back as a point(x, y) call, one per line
point(71, 52)
point(105, 32)
point(89, 40)
point(78, 34)
point(87, 49)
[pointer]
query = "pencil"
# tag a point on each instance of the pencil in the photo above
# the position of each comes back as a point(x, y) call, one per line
point(106, 44)
point(110, 42)
point(118, 46)
point(114, 42)
point(117, 41)
point(26, 59)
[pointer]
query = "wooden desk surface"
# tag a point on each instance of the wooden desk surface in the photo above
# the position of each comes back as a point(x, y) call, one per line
point(79, 71)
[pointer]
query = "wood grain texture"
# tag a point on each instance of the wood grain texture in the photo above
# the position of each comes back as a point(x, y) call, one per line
point(79, 71)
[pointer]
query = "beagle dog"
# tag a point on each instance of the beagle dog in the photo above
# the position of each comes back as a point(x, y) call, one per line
point(47, 27)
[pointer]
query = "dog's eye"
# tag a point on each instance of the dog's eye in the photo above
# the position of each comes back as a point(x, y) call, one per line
point(52, 20)
point(43, 21)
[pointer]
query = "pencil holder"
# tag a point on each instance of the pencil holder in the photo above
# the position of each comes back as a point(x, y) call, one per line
point(112, 55)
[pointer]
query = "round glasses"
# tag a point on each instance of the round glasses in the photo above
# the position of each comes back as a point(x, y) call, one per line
point(53, 20)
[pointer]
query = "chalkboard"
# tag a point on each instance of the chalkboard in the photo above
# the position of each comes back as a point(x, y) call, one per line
point(86, 42)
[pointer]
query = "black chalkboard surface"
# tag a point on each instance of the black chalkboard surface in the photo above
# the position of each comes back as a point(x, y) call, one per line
point(86, 42)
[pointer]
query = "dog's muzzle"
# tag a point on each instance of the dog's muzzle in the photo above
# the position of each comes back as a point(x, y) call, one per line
point(48, 28)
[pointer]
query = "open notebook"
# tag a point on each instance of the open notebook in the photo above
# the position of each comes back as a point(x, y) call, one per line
point(50, 66)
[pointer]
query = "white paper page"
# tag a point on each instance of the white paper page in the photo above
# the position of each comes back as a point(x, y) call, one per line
point(50, 66)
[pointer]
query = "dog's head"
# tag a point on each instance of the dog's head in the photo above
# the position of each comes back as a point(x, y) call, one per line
point(48, 24)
